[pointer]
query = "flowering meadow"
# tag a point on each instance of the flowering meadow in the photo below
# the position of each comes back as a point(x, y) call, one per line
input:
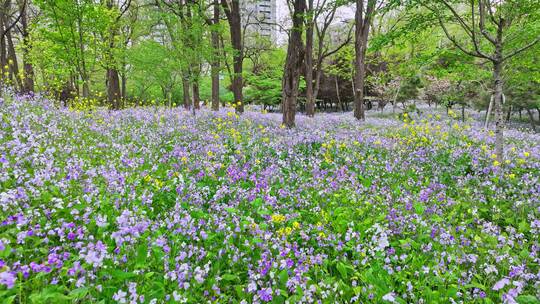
point(155, 205)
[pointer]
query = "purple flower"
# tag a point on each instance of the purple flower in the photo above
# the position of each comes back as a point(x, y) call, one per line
point(8, 279)
point(390, 297)
point(500, 284)
point(265, 294)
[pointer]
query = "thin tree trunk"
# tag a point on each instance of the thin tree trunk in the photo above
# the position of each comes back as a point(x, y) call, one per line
point(11, 53)
point(83, 71)
point(215, 59)
point(488, 113)
point(498, 107)
point(196, 97)
point(509, 114)
point(28, 82)
point(310, 98)
point(123, 78)
point(531, 118)
point(337, 93)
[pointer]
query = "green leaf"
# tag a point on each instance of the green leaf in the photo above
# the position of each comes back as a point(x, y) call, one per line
point(229, 277)
point(78, 293)
point(122, 275)
point(342, 269)
point(528, 299)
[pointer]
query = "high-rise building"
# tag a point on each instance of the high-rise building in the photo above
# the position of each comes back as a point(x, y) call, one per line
point(259, 16)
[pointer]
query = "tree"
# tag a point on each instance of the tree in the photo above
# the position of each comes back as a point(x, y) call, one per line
point(494, 31)
point(232, 11)
point(117, 9)
point(28, 81)
point(215, 56)
point(293, 64)
point(326, 12)
point(363, 17)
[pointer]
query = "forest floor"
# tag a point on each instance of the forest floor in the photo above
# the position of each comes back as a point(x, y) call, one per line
point(154, 205)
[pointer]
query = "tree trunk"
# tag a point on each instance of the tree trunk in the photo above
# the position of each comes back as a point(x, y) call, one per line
point(185, 89)
point(196, 97)
point(337, 93)
point(498, 109)
point(310, 98)
point(83, 72)
point(123, 78)
point(509, 114)
point(215, 59)
point(235, 26)
point(360, 45)
point(113, 80)
point(531, 118)
point(113, 88)
point(11, 53)
point(293, 65)
point(28, 82)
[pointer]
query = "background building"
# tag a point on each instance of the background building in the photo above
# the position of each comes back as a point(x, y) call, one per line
point(259, 16)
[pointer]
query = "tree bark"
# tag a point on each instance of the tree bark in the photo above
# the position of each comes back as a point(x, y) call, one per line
point(11, 54)
point(215, 59)
point(498, 109)
point(235, 27)
point(28, 81)
point(293, 65)
point(363, 21)
point(123, 78)
point(310, 98)
point(185, 89)
point(113, 79)
point(113, 88)
point(531, 118)
point(196, 96)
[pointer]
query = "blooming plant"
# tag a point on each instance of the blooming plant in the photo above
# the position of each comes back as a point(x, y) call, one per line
point(156, 205)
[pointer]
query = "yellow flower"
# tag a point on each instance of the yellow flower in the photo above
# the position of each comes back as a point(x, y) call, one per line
point(496, 163)
point(184, 159)
point(296, 225)
point(322, 235)
point(210, 153)
point(526, 154)
point(493, 156)
point(278, 218)
point(511, 175)
point(378, 142)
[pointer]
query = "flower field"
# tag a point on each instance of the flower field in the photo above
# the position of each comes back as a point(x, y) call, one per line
point(154, 205)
